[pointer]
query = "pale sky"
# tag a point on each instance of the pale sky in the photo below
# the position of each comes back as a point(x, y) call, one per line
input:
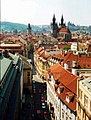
point(40, 12)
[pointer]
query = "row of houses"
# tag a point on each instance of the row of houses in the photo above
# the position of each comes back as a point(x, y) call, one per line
point(68, 82)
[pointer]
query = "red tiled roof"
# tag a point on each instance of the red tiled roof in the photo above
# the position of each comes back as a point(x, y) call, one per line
point(82, 60)
point(38, 50)
point(64, 30)
point(41, 52)
point(67, 81)
point(69, 94)
point(58, 55)
point(62, 96)
point(64, 76)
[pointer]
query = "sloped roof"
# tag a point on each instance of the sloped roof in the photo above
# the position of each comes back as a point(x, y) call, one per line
point(38, 50)
point(4, 65)
point(65, 77)
point(64, 30)
point(83, 61)
point(67, 81)
point(62, 96)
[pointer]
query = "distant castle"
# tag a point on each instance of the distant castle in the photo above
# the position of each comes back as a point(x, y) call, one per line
point(60, 31)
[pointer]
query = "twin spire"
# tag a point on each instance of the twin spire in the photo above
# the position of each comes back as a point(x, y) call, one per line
point(62, 20)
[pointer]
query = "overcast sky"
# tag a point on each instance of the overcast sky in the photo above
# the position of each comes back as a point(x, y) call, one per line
point(40, 12)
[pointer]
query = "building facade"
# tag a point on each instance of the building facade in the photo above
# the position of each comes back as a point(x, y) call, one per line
point(84, 99)
point(27, 73)
point(11, 86)
point(61, 93)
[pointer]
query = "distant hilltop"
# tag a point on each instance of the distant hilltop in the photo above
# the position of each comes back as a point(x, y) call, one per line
point(9, 26)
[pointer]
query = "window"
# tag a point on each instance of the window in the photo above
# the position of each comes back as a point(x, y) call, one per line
point(70, 118)
point(84, 65)
point(28, 77)
point(62, 114)
point(28, 73)
point(67, 99)
point(88, 65)
point(80, 94)
point(85, 100)
point(78, 118)
point(66, 117)
point(84, 114)
point(79, 108)
point(68, 65)
point(50, 76)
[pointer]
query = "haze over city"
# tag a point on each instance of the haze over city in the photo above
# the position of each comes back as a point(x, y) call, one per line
point(40, 12)
point(45, 60)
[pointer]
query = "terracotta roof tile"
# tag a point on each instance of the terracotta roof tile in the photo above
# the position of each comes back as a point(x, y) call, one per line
point(64, 76)
point(67, 81)
point(38, 50)
point(62, 96)
point(82, 60)
point(64, 30)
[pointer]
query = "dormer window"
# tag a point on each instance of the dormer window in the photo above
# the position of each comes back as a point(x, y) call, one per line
point(49, 76)
point(56, 86)
point(57, 82)
point(69, 97)
point(60, 89)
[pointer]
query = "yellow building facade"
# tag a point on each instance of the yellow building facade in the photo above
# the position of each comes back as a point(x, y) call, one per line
point(84, 99)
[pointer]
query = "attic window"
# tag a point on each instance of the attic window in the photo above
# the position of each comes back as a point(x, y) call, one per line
point(49, 75)
point(60, 89)
point(84, 65)
point(65, 54)
point(55, 85)
point(61, 60)
point(69, 97)
point(57, 82)
point(79, 66)
point(88, 65)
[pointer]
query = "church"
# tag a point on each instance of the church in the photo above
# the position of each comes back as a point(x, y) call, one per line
point(60, 32)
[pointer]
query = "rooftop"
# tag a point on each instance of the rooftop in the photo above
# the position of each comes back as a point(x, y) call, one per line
point(4, 65)
point(10, 45)
point(87, 82)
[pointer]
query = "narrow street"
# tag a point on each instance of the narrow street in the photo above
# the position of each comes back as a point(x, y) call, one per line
point(35, 105)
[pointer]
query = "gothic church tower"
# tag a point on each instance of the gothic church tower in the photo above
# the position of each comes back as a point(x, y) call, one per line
point(54, 27)
point(29, 29)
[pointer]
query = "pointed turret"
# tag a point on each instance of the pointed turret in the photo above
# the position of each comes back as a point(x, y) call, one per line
point(54, 27)
point(54, 19)
point(62, 20)
point(29, 29)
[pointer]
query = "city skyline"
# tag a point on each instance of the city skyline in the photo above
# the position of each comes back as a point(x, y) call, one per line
point(39, 12)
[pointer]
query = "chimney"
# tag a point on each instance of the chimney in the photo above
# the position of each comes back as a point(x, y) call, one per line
point(74, 64)
point(5, 54)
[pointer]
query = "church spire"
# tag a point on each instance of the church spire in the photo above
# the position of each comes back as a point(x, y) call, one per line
point(29, 29)
point(54, 27)
point(54, 19)
point(62, 20)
